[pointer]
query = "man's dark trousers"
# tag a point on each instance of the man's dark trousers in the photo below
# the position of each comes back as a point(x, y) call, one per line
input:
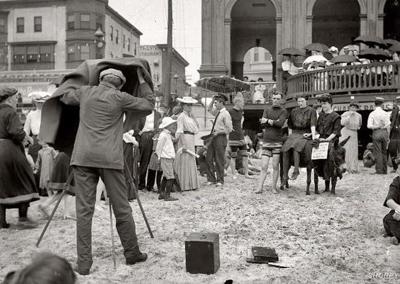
point(146, 148)
point(216, 153)
point(85, 183)
point(380, 140)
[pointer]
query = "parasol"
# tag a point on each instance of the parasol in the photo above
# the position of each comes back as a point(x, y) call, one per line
point(374, 54)
point(315, 58)
point(223, 84)
point(395, 47)
point(316, 46)
point(344, 59)
point(391, 42)
point(291, 51)
point(371, 40)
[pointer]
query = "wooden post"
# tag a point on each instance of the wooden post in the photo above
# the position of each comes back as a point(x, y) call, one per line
point(168, 62)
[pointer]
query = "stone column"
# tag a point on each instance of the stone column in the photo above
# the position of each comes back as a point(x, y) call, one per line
point(380, 25)
point(363, 24)
point(227, 48)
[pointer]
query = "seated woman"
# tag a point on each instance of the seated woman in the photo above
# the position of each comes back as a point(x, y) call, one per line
point(391, 222)
point(328, 127)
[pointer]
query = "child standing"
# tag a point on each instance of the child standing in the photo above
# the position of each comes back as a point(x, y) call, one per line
point(154, 172)
point(44, 165)
point(166, 154)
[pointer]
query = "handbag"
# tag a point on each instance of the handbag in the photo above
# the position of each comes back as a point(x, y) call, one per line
point(207, 138)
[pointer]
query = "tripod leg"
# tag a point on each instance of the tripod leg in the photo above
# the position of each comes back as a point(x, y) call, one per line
point(112, 237)
point(68, 182)
point(131, 183)
point(50, 218)
point(144, 215)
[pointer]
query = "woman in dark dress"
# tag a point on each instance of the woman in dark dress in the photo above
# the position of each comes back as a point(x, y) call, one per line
point(328, 127)
point(17, 184)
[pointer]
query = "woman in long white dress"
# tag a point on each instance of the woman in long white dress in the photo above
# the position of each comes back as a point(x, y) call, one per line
point(352, 121)
point(185, 160)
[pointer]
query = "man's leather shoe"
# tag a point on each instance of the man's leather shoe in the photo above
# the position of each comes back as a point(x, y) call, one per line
point(139, 258)
point(81, 271)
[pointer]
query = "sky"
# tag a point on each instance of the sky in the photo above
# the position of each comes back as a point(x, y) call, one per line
point(150, 17)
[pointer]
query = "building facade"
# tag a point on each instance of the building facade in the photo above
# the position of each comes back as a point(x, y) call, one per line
point(258, 64)
point(50, 37)
point(231, 27)
point(156, 55)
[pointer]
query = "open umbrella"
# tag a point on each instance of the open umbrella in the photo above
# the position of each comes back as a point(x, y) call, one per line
point(291, 51)
point(395, 47)
point(391, 42)
point(344, 59)
point(371, 40)
point(374, 54)
point(223, 84)
point(315, 58)
point(316, 46)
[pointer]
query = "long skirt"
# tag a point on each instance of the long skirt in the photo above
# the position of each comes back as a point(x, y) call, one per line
point(17, 184)
point(351, 149)
point(185, 164)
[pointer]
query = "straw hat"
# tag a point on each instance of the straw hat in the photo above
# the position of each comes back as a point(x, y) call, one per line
point(39, 96)
point(166, 121)
point(187, 100)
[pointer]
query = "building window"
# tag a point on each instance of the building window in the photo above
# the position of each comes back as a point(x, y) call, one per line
point(45, 53)
point(37, 24)
point(134, 48)
point(256, 55)
point(20, 25)
point(71, 52)
point(111, 33)
point(99, 22)
point(129, 44)
point(84, 51)
point(116, 36)
point(31, 54)
point(3, 28)
point(123, 41)
point(85, 22)
point(71, 22)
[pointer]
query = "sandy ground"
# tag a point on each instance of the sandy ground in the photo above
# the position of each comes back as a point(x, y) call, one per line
point(327, 239)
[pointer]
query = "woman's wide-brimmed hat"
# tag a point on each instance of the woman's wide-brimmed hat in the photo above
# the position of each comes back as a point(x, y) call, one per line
point(6, 92)
point(166, 121)
point(187, 100)
point(39, 96)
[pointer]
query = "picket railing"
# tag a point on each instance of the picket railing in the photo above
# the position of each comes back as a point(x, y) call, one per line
point(379, 76)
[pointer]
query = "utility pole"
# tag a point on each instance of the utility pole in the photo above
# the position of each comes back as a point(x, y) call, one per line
point(168, 65)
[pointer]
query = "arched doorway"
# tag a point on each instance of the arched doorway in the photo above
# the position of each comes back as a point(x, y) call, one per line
point(258, 64)
point(253, 25)
point(391, 25)
point(336, 22)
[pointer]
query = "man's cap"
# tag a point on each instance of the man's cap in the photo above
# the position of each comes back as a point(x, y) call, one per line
point(398, 98)
point(166, 121)
point(354, 103)
point(379, 99)
point(113, 72)
point(187, 100)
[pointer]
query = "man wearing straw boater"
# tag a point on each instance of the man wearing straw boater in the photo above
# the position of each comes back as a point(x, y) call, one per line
point(98, 152)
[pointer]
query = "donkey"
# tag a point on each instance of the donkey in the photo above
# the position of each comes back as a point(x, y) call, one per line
point(336, 156)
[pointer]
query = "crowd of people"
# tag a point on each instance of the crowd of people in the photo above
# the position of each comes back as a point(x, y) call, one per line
point(165, 156)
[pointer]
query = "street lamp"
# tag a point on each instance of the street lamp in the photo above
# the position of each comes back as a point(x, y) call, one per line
point(99, 41)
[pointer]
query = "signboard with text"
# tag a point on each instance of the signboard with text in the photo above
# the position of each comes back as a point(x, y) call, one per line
point(320, 153)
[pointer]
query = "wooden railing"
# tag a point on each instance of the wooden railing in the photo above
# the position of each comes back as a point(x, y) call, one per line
point(374, 77)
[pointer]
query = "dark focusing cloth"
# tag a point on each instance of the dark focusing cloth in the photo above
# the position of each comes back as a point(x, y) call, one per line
point(300, 121)
point(326, 125)
point(17, 184)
